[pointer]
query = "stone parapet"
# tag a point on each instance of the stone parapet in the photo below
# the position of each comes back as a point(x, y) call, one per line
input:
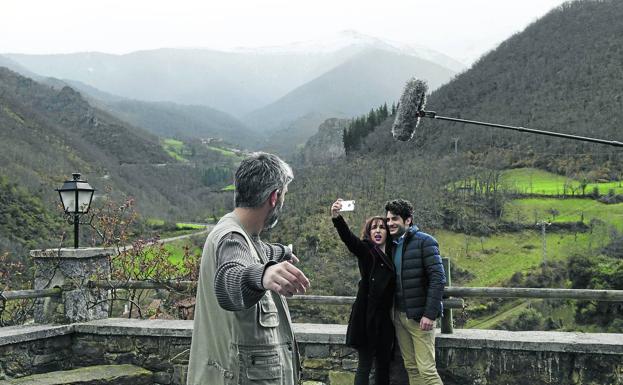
point(27, 350)
point(534, 341)
point(467, 357)
point(17, 334)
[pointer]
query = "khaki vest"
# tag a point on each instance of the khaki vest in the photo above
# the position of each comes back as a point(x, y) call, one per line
point(253, 345)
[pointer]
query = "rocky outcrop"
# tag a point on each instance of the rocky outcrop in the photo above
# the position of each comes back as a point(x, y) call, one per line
point(327, 144)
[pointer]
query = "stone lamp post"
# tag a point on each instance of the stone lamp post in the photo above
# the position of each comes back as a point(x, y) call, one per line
point(76, 196)
point(72, 269)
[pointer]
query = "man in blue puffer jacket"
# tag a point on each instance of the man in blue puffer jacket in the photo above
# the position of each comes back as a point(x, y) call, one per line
point(420, 280)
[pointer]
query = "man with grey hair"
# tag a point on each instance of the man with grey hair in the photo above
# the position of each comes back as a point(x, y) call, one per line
point(242, 330)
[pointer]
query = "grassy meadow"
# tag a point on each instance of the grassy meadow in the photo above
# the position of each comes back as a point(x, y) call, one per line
point(175, 148)
point(546, 197)
point(532, 181)
point(494, 259)
point(532, 210)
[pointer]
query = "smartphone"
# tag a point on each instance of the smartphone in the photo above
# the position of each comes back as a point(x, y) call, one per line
point(348, 206)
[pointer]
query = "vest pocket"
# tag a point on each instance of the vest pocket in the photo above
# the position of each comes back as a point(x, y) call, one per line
point(261, 367)
point(267, 309)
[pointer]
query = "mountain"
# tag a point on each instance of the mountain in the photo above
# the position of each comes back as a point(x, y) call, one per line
point(165, 119)
point(16, 67)
point(46, 134)
point(233, 82)
point(236, 82)
point(353, 42)
point(367, 80)
point(562, 73)
point(170, 120)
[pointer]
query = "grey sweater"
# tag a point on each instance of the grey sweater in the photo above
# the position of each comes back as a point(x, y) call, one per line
point(238, 281)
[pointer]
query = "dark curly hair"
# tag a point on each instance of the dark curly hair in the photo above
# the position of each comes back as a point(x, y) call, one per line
point(400, 207)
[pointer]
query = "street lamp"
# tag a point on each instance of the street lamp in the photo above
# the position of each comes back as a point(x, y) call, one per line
point(76, 196)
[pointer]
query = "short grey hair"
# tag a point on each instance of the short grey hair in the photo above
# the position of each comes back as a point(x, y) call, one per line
point(259, 175)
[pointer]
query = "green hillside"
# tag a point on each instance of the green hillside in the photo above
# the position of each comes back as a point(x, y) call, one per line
point(181, 121)
point(562, 73)
point(46, 134)
point(532, 210)
point(25, 222)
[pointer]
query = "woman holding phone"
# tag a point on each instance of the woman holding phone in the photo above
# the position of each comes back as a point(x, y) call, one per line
point(370, 329)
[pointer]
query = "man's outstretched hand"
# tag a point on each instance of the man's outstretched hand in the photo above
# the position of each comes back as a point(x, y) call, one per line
point(285, 279)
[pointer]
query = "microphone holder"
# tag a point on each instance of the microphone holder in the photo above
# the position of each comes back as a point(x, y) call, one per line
point(433, 115)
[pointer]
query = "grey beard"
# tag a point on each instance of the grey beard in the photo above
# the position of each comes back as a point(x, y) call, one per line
point(272, 218)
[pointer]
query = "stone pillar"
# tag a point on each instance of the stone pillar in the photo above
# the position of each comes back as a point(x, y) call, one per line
point(71, 269)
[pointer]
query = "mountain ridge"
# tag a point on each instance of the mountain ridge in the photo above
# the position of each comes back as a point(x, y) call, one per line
point(341, 93)
point(234, 82)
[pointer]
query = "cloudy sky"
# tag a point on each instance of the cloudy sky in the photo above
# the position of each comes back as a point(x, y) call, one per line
point(462, 29)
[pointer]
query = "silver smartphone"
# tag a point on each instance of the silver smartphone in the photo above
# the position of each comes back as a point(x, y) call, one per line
point(348, 206)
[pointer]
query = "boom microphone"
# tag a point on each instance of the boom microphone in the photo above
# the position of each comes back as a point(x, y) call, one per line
point(411, 109)
point(412, 101)
point(433, 115)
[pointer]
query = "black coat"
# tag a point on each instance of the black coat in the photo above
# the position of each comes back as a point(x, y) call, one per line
point(369, 323)
point(423, 277)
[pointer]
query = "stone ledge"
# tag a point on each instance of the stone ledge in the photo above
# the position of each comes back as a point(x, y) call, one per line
point(535, 341)
point(17, 334)
point(136, 327)
point(320, 333)
point(594, 343)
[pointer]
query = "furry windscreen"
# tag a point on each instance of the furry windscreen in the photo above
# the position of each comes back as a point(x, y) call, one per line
point(412, 101)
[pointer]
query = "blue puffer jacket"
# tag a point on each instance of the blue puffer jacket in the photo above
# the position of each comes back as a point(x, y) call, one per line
point(422, 275)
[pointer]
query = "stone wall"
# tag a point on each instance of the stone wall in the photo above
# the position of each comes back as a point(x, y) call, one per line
point(34, 349)
point(473, 357)
point(157, 345)
point(467, 357)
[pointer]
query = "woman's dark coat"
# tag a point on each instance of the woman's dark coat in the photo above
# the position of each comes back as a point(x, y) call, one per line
point(370, 323)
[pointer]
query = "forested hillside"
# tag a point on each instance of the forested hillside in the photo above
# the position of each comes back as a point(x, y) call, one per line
point(183, 121)
point(25, 223)
point(562, 73)
point(164, 119)
point(46, 134)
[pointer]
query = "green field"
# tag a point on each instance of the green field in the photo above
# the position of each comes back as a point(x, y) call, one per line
point(176, 249)
point(532, 210)
point(174, 148)
point(534, 181)
point(493, 260)
point(223, 151)
point(189, 226)
point(154, 222)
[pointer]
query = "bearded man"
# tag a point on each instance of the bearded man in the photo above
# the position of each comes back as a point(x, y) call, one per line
point(242, 330)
